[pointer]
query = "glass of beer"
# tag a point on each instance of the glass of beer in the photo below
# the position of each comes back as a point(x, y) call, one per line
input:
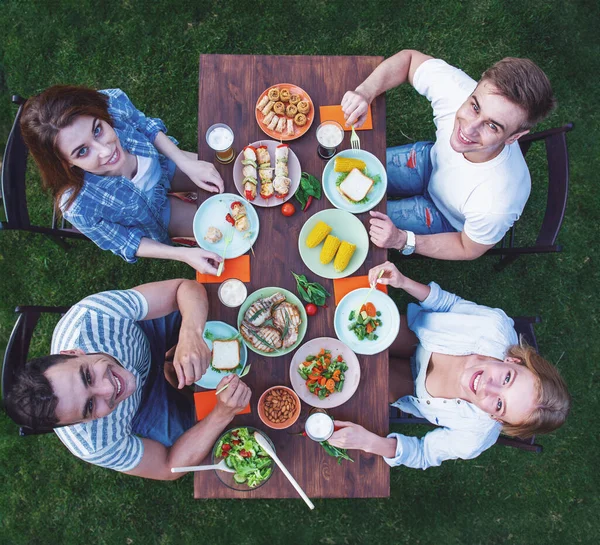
point(219, 137)
point(330, 135)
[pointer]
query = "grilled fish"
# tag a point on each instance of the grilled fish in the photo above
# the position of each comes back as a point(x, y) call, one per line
point(265, 339)
point(260, 311)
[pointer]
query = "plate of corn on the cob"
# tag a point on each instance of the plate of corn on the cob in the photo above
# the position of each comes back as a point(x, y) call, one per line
point(333, 243)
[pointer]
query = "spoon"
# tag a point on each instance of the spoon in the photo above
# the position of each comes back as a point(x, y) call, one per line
point(221, 466)
point(267, 448)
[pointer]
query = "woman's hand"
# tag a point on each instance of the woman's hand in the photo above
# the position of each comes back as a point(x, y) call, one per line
point(349, 435)
point(391, 275)
point(201, 260)
point(384, 233)
point(355, 107)
point(203, 174)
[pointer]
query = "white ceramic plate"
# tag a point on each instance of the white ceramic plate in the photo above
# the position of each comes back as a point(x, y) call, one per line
point(352, 375)
point(294, 174)
point(212, 212)
point(221, 330)
point(386, 332)
point(374, 196)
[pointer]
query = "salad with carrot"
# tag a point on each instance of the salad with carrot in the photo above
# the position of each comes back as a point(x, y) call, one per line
point(365, 322)
point(323, 374)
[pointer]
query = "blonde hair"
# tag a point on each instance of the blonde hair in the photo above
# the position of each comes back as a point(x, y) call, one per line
point(553, 400)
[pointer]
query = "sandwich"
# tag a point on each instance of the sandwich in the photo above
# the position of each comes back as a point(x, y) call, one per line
point(356, 185)
point(226, 355)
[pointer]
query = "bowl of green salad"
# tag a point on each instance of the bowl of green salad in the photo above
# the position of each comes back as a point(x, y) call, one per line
point(253, 466)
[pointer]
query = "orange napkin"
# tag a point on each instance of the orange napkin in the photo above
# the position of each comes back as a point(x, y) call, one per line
point(342, 286)
point(206, 401)
point(334, 113)
point(238, 267)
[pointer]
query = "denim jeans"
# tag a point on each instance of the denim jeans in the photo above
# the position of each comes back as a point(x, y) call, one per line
point(164, 413)
point(409, 204)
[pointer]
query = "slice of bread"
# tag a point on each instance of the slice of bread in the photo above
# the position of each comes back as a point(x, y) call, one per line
point(226, 354)
point(356, 185)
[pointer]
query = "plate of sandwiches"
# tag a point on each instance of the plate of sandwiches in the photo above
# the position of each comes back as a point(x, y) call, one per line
point(354, 180)
point(228, 353)
point(284, 111)
point(267, 173)
point(221, 215)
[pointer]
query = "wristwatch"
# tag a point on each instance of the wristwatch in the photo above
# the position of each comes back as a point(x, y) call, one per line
point(411, 242)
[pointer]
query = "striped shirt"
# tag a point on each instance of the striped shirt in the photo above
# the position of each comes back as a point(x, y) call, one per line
point(106, 322)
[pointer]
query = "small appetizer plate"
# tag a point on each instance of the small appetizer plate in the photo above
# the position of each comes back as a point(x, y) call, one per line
point(212, 213)
point(386, 332)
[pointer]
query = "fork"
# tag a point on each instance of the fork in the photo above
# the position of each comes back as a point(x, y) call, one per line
point(228, 239)
point(354, 139)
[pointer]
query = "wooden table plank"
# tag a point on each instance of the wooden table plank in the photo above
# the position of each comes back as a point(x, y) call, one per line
point(229, 86)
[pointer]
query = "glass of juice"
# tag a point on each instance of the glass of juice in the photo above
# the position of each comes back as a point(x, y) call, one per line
point(219, 137)
point(330, 135)
point(232, 293)
point(319, 426)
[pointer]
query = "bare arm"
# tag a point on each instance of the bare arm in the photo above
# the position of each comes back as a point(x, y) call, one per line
point(201, 260)
point(195, 444)
point(449, 246)
point(389, 74)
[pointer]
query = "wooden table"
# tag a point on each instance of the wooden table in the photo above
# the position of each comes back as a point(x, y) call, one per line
point(229, 87)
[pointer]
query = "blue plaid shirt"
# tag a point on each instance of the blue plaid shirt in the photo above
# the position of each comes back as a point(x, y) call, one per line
point(110, 210)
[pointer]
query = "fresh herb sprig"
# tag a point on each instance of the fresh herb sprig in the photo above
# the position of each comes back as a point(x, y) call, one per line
point(339, 453)
point(311, 292)
point(309, 187)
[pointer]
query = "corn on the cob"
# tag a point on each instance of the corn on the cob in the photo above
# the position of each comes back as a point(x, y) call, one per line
point(318, 234)
point(329, 249)
point(343, 256)
point(345, 164)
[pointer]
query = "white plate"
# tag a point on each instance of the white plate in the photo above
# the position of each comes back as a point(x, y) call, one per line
point(212, 212)
point(221, 330)
point(294, 174)
point(374, 196)
point(387, 331)
point(352, 375)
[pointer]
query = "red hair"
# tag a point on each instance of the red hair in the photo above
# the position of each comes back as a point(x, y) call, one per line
point(43, 116)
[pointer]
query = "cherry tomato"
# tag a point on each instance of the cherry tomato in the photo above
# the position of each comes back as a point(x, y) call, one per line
point(226, 447)
point(288, 209)
point(311, 309)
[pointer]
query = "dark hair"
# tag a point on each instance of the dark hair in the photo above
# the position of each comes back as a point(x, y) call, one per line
point(43, 116)
point(553, 401)
point(524, 83)
point(30, 401)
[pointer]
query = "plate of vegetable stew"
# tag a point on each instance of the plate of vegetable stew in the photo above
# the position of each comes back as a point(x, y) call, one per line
point(316, 353)
point(363, 330)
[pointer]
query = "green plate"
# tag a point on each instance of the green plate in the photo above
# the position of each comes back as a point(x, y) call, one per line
point(291, 298)
point(346, 227)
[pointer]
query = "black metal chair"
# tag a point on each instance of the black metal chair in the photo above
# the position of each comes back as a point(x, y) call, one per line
point(557, 156)
point(524, 327)
point(18, 348)
point(14, 197)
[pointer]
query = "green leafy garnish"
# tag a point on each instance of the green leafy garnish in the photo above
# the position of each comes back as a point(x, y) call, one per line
point(339, 453)
point(309, 186)
point(311, 292)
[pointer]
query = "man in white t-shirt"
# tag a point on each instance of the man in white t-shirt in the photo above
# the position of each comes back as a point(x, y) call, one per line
point(457, 197)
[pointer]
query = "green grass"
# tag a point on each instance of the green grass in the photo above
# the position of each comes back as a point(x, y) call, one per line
point(151, 50)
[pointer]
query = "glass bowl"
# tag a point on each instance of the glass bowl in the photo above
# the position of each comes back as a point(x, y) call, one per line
point(227, 478)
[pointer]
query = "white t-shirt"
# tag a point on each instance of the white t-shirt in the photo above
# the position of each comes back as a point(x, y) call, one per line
point(148, 174)
point(481, 199)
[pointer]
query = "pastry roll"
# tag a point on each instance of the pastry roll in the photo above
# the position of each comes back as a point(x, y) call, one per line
point(268, 118)
point(273, 123)
point(262, 103)
point(268, 107)
point(290, 127)
point(280, 124)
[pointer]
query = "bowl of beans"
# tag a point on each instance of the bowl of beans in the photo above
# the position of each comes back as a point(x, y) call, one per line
point(279, 407)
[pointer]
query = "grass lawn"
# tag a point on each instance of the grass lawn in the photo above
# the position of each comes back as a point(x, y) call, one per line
point(150, 49)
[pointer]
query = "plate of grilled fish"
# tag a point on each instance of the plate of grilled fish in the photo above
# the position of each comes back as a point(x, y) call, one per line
point(272, 321)
point(222, 216)
point(267, 173)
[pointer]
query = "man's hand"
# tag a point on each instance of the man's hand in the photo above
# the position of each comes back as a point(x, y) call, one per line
point(203, 261)
point(203, 174)
point(384, 233)
point(391, 275)
point(234, 398)
point(355, 107)
point(192, 355)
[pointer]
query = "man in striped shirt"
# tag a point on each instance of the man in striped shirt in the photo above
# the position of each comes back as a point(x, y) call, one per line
point(105, 390)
